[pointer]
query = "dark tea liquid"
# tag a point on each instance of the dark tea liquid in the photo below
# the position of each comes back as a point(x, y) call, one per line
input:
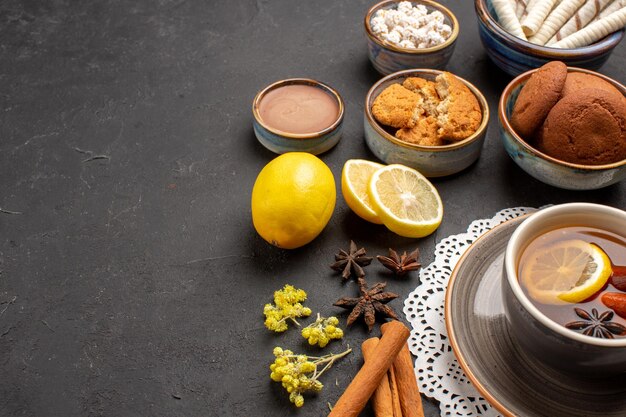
point(613, 245)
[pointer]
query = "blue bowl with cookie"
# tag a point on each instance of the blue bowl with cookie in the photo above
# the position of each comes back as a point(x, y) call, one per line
point(298, 115)
point(565, 126)
point(427, 119)
point(515, 56)
point(415, 34)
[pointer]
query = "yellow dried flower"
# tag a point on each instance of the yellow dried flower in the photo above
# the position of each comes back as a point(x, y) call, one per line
point(299, 373)
point(322, 331)
point(287, 306)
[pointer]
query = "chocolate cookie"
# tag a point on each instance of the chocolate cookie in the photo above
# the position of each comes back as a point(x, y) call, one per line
point(579, 80)
point(586, 127)
point(540, 93)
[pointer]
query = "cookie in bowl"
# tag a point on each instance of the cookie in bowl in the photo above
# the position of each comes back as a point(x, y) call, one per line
point(430, 120)
point(458, 113)
point(588, 127)
point(579, 142)
point(429, 113)
point(537, 98)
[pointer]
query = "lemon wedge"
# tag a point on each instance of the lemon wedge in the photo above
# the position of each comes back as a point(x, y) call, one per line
point(406, 202)
point(569, 271)
point(355, 178)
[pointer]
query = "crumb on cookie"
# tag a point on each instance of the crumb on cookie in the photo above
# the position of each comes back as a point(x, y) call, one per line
point(458, 114)
point(423, 133)
point(427, 90)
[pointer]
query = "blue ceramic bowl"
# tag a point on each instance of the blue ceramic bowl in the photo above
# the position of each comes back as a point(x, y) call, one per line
point(431, 161)
point(543, 167)
point(514, 55)
point(281, 142)
point(388, 58)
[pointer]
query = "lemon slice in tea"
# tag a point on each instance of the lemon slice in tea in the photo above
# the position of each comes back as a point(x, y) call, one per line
point(569, 271)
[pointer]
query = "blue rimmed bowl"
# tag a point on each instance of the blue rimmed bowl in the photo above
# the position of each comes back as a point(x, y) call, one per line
point(514, 55)
point(543, 167)
point(281, 142)
point(387, 58)
point(431, 161)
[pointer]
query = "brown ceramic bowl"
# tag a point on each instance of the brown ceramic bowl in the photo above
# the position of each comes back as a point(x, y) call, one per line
point(544, 167)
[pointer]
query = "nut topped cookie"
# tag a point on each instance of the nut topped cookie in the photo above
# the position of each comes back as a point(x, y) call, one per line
point(587, 127)
point(537, 97)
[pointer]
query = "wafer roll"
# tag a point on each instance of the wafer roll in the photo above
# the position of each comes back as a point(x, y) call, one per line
point(529, 5)
point(595, 31)
point(536, 16)
point(614, 6)
point(520, 7)
point(581, 18)
point(507, 18)
point(555, 20)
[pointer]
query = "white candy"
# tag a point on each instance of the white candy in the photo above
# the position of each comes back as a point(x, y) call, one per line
point(380, 28)
point(436, 39)
point(393, 37)
point(407, 44)
point(438, 16)
point(420, 10)
point(393, 19)
point(412, 22)
point(404, 7)
point(411, 27)
point(378, 20)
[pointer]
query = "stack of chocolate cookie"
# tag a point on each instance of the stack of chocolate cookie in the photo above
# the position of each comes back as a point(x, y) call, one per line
point(574, 117)
point(429, 113)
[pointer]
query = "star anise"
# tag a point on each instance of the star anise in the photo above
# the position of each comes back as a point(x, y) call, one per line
point(596, 325)
point(400, 264)
point(372, 300)
point(352, 261)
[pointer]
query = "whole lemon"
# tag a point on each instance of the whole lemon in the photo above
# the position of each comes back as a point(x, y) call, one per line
point(293, 199)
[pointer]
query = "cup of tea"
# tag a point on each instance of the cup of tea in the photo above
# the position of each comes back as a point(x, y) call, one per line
point(564, 287)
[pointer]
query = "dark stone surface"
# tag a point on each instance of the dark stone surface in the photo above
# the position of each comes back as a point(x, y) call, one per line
point(132, 281)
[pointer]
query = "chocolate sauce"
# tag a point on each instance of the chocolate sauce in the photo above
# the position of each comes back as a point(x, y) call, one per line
point(298, 109)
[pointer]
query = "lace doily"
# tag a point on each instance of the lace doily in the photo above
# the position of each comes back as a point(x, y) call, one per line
point(438, 372)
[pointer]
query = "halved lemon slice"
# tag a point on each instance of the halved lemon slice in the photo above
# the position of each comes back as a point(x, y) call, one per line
point(355, 178)
point(569, 271)
point(406, 202)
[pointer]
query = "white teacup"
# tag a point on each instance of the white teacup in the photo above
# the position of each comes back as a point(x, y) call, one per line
point(547, 340)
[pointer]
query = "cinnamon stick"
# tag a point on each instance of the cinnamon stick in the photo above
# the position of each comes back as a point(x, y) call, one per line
point(382, 400)
point(410, 399)
point(354, 398)
point(395, 395)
